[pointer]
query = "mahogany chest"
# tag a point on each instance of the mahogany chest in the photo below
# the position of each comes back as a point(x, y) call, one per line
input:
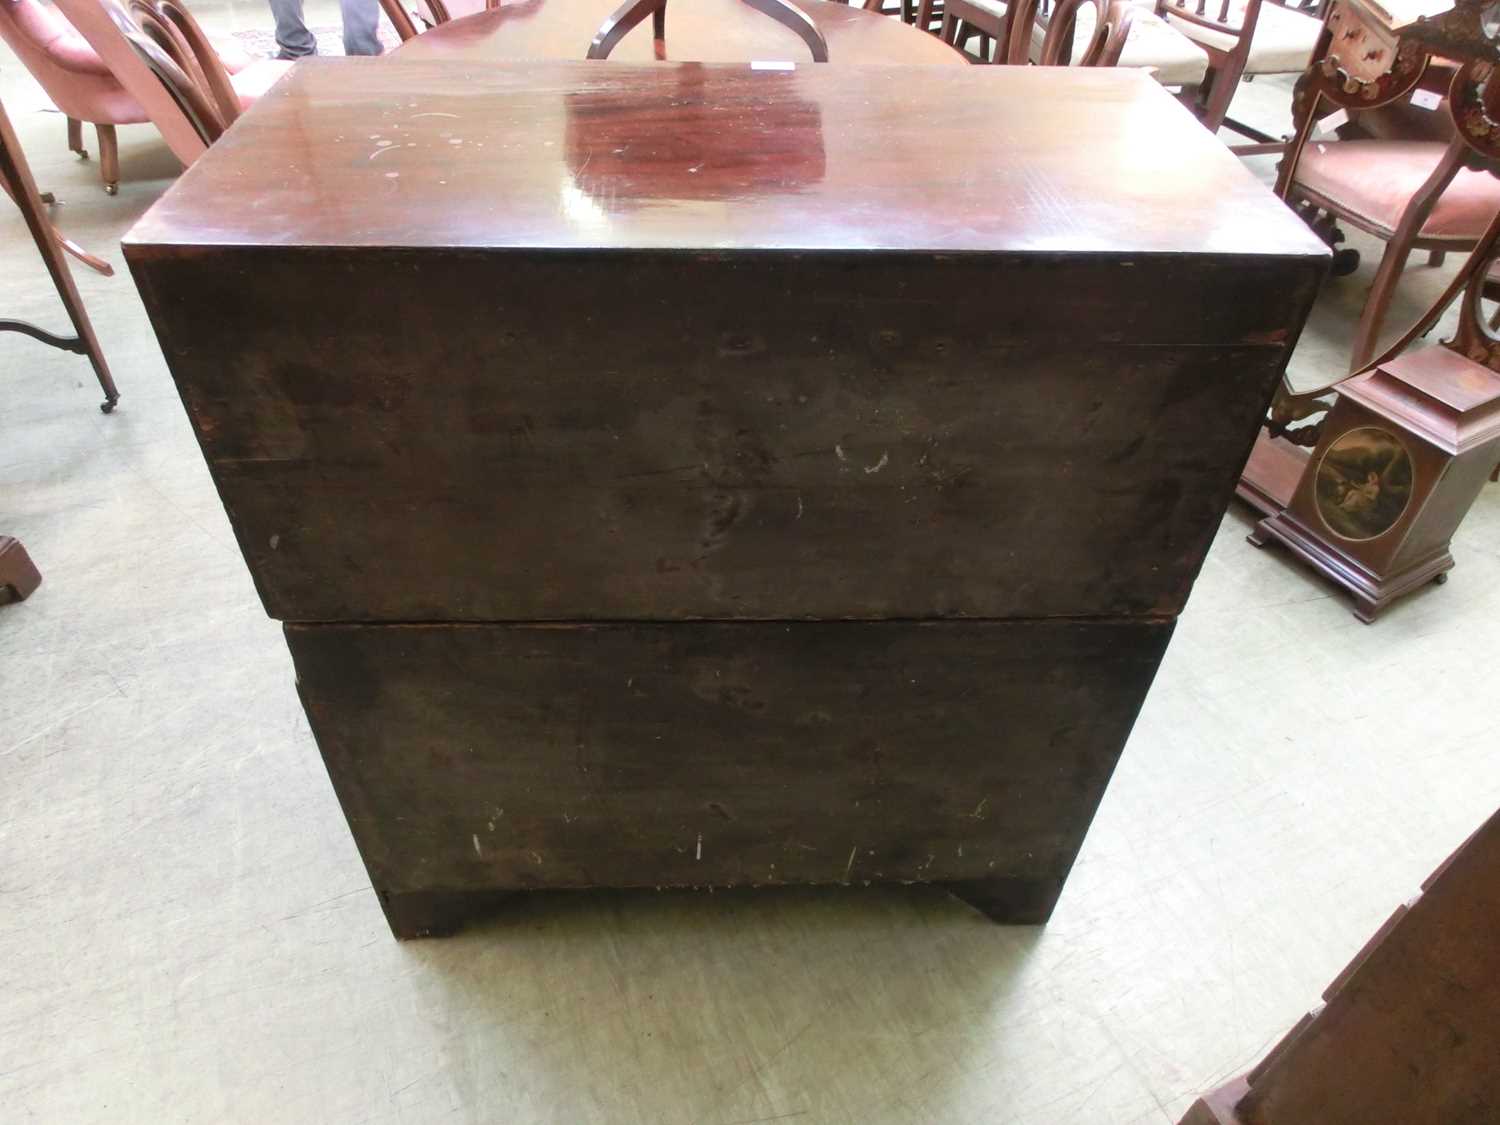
point(704, 475)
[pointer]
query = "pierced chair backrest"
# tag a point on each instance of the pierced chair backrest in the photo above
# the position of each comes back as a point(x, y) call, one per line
point(1235, 18)
point(191, 99)
point(104, 31)
point(1111, 27)
point(207, 64)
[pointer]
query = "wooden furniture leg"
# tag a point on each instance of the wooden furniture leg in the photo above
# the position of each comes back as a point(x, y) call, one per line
point(16, 177)
point(109, 158)
point(75, 138)
point(18, 574)
point(1015, 902)
point(95, 263)
point(418, 914)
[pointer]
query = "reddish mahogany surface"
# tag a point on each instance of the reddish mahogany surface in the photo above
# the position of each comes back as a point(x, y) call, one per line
point(697, 31)
point(412, 153)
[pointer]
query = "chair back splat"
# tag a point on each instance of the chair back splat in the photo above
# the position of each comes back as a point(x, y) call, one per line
point(1111, 27)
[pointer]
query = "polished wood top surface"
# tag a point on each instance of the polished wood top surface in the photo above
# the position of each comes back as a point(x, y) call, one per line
point(580, 155)
point(728, 31)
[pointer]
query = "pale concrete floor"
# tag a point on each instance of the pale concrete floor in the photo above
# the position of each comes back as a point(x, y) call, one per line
point(186, 933)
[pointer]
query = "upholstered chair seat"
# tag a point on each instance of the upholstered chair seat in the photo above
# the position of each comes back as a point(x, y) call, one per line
point(1372, 182)
point(1282, 44)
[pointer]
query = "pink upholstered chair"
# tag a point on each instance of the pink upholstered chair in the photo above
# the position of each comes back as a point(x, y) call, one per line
point(83, 87)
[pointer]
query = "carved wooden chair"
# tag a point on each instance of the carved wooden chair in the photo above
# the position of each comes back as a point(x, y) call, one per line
point(1242, 38)
point(1412, 194)
point(1151, 43)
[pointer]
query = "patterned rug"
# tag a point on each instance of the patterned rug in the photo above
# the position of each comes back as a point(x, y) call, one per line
point(262, 44)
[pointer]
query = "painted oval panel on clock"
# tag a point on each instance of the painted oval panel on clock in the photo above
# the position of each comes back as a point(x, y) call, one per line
point(1364, 483)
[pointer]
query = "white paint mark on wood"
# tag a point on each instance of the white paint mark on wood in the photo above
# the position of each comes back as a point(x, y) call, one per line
point(275, 542)
point(799, 507)
point(477, 849)
point(839, 451)
point(700, 847)
point(978, 813)
point(885, 459)
point(848, 867)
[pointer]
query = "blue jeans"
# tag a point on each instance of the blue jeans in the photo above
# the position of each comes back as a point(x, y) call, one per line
point(361, 18)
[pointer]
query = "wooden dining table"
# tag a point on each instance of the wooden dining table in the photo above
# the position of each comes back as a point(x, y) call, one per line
point(718, 31)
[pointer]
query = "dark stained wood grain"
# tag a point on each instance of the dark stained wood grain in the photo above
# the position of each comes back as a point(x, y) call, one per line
point(859, 440)
point(757, 442)
point(520, 757)
point(713, 426)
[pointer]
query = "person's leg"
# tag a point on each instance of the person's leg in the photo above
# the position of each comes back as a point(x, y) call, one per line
point(361, 24)
point(292, 35)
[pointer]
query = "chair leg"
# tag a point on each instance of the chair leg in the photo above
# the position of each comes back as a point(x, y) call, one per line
point(1435, 257)
point(75, 137)
point(1221, 90)
point(16, 178)
point(109, 158)
point(1393, 261)
point(984, 47)
point(924, 14)
point(1387, 277)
